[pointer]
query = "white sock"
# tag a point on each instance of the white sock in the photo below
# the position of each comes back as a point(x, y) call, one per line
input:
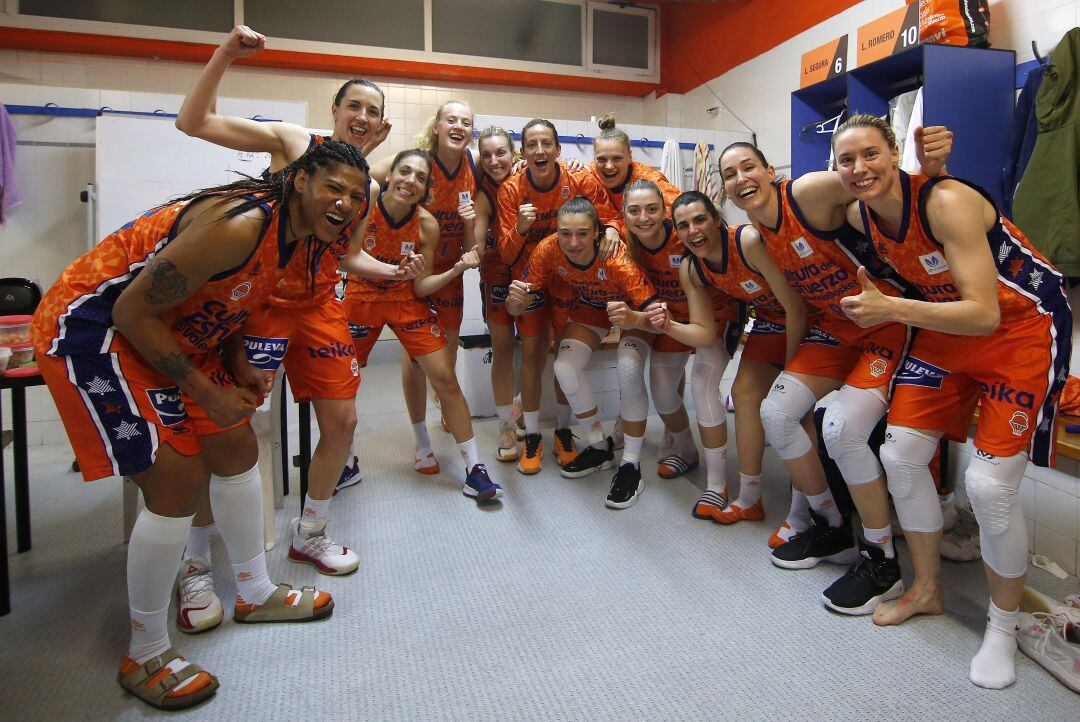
point(532, 421)
point(157, 542)
point(469, 454)
point(421, 440)
point(505, 413)
point(563, 416)
point(595, 434)
point(684, 442)
point(631, 453)
point(314, 516)
point(881, 538)
point(749, 490)
point(715, 472)
point(798, 517)
point(825, 506)
point(198, 541)
point(237, 504)
point(994, 665)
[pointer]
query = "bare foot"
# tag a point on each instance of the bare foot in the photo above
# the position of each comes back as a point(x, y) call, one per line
point(914, 601)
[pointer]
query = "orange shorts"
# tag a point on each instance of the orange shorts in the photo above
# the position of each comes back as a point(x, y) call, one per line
point(766, 342)
point(493, 300)
point(1012, 375)
point(314, 344)
point(412, 320)
point(560, 306)
point(866, 358)
point(117, 411)
point(584, 314)
point(449, 303)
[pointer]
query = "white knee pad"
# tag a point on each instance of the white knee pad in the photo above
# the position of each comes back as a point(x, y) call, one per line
point(906, 456)
point(993, 486)
point(846, 428)
point(666, 371)
point(709, 365)
point(630, 368)
point(569, 369)
point(781, 412)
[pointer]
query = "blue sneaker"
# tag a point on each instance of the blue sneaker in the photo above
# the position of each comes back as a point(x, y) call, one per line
point(350, 476)
point(479, 485)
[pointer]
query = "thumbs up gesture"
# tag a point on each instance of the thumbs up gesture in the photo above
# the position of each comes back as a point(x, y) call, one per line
point(870, 307)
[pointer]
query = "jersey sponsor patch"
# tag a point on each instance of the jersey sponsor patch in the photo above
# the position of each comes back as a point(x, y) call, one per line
point(750, 286)
point(464, 197)
point(264, 352)
point(818, 336)
point(801, 247)
point(169, 405)
point(675, 261)
point(917, 372)
point(358, 331)
point(407, 247)
point(934, 263)
point(602, 274)
point(763, 327)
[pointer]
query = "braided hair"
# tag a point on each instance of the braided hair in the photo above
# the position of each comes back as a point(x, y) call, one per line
point(277, 188)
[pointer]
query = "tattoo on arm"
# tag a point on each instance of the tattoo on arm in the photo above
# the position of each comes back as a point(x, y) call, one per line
point(174, 365)
point(167, 284)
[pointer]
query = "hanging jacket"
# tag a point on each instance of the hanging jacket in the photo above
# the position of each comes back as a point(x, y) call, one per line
point(1025, 131)
point(1047, 202)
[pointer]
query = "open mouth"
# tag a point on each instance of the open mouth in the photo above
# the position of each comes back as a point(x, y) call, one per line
point(863, 184)
point(358, 131)
point(696, 243)
point(335, 219)
point(541, 163)
point(748, 192)
point(456, 136)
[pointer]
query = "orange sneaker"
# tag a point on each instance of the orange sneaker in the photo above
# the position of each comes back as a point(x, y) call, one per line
point(530, 462)
point(736, 513)
point(782, 535)
point(565, 449)
point(427, 464)
point(286, 605)
point(167, 681)
point(710, 503)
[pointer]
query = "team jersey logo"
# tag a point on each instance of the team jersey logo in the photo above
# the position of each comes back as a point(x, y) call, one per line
point(763, 327)
point(241, 290)
point(430, 200)
point(369, 243)
point(917, 372)
point(934, 263)
point(801, 247)
point(435, 330)
point(675, 261)
point(354, 366)
point(602, 274)
point(265, 353)
point(99, 387)
point(358, 331)
point(878, 367)
point(750, 286)
point(1036, 279)
point(1019, 423)
point(816, 335)
point(565, 192)
point(407, 247)
point(168, 404)
point(464, 197)
point(561, 271)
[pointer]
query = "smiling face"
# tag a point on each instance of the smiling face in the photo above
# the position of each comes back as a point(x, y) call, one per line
point(696, 227)
point(577, 237)
point(359, 114)
point(613, 160)
point(454, 127)
point(747, 180)
point(866, 163)
point(408, 180)
point(496, 157)
point(329, 199)
point(541, 150)
point(643, 210)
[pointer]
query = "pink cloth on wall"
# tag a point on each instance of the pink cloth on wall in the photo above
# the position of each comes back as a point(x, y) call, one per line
point(9, 189)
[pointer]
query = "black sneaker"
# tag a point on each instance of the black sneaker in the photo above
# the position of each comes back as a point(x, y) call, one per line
point(819, 543)
point(590, 459)
point(626, 487)
point(350, 476)
point(873, 579)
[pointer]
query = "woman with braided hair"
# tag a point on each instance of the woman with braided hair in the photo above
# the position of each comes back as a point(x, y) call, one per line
point(140, 343)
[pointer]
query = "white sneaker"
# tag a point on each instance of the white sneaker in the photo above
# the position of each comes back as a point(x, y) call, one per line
point(960, 543)
point(1052, 640)
point(198, 608)
point(320, 551)
point(508, 449)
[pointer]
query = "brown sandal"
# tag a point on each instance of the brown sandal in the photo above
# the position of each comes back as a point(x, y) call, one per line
point(135, 679)
point(278, 608)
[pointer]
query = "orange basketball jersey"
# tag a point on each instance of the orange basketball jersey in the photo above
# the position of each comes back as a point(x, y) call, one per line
point(639, 171)
point(616, 278)
point(446, 192)
point(388, 242)
point(821, 266)
point(75, 317)
point(735, 278)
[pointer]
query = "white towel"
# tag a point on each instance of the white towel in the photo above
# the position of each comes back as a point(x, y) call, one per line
point(705, 179)
point(671, 164)
point(910, 161)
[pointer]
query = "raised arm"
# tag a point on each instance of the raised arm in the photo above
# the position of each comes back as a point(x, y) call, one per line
point(205, 247)
point(198, 116)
